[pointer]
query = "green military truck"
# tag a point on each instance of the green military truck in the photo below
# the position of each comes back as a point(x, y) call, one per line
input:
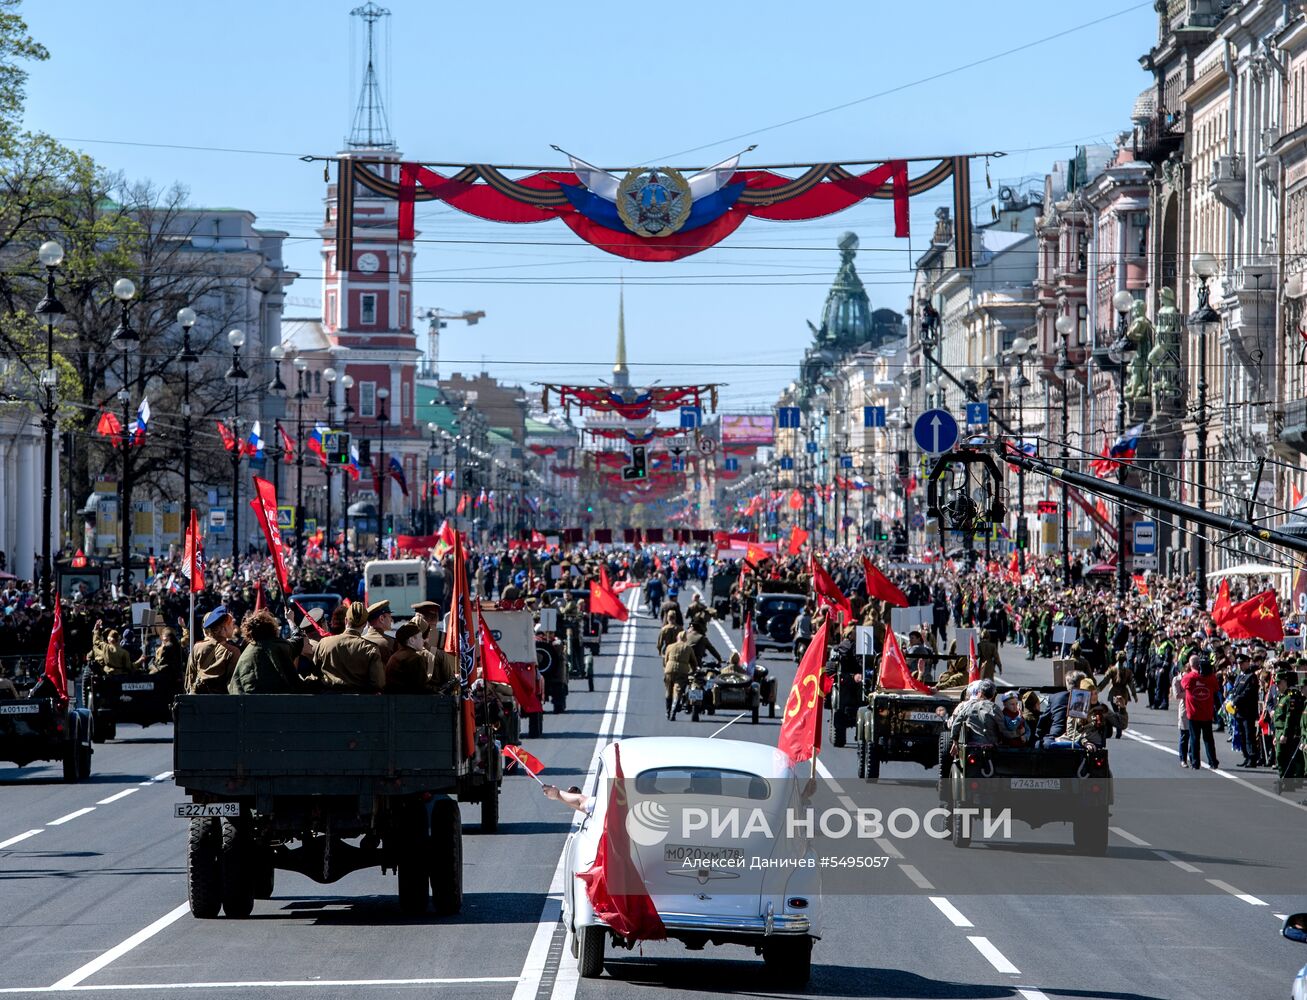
point(901, 725)
point(324, 785)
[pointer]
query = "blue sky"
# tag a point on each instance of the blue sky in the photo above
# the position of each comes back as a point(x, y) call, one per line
point(636, 85)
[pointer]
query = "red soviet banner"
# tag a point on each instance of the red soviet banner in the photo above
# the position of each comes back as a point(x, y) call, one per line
point(265, 509)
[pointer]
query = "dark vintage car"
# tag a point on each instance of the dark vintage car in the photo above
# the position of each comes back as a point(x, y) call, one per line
point(773, 617)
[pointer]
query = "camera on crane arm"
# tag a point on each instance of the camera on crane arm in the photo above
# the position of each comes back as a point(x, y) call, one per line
point(974, 495)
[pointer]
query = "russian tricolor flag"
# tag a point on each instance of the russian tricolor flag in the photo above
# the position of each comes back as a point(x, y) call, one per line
point(254, 443)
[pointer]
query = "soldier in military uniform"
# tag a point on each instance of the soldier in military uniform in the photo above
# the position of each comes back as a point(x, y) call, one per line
point(349, 662)
point(379, 623)
point(667, 634)
point(987, 653)
point(1288, 721)
point(213, 658)
point(679, 661)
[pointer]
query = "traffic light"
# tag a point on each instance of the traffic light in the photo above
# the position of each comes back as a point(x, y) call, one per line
point(878, 532)
point(899, 545)
point(365, 453)
point(637, 469)
point(336, 446)
point(903, 464)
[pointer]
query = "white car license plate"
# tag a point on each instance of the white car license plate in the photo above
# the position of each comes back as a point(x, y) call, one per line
point(696, 694)
point(923, 717)
point(680, 853)
point(200, 810)
point(1046, 783)
point(138, 686)
point(32, 709)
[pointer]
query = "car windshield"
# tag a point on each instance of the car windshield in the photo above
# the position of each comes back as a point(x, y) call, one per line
point(702, 781)
point(779, 605)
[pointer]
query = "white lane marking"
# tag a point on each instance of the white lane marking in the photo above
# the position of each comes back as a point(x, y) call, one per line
point(119, 950)
point(1227, 887)
point(22, 836)
point(952, 912)
point(1126, 835)
point(1028, 994)
point(1136, 734)
point(528, 982)
point(120, 795)
point(1184, 866)
point(1222, 774)
point(918, 879)
point(71, 816)
point(1280, 916)
point(995, 957)
point(888, 847)
point(163, 777)
point(262, 984)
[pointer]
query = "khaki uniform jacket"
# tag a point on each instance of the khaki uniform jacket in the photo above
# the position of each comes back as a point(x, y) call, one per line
point(979, 718)
point(349, 662)
point(114, 659)
point(407, 672)
point(680, 658)
point(666, 636)
point(211, 665)
point(385, 645)
point(443, 667)
point(1119, 681)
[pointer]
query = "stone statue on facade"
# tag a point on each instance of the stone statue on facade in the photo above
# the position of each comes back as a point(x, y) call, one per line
point(1164, 358)
point(1140, 333)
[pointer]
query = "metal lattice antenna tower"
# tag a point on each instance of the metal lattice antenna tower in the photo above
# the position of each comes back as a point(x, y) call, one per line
point(370, 129)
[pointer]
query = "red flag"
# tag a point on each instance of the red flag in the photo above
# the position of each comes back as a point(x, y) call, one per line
point(827, 592)
point(193, 554)
point(524, 757)
point(258, 595)
point(894, 674)
point(748, 649)
point(755, 555)
point(1014, 567)
point(1256, 618)
point(462, 504)
point(55, 668)
point(1295, 496)
point(605, 602)
point(613, 882)
point(228, 438)
point(265, 509)
point(288, 447)
point(800, 735)
point(458, 632)
point(110, 426)
point(973, 662)
point(796, 500)
point(1221, 606)
point(879, 586)
point(500, 671)
point(797, 537)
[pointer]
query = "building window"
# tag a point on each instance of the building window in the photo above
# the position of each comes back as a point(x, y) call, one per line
point(403, 311)
point(331, 310)
point(317, 382)
point(405, 392)
point(367, 310)
point(367, 400)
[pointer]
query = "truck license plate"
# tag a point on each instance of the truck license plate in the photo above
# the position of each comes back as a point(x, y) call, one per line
point(20, 709)
point(923, 717)
point(1047, 783)
point(201, 810)
point(138, 686)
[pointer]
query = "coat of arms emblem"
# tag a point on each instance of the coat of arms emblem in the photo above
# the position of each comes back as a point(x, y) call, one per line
point(654, 201)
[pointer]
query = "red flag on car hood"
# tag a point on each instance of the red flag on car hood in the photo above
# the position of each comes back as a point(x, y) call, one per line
point(894, 674)
point(613, 882)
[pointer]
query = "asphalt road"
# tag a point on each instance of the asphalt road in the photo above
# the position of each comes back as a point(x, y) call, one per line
point(92, 886)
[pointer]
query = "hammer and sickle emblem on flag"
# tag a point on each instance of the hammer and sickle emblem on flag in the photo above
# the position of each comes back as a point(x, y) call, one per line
point(1263, 611)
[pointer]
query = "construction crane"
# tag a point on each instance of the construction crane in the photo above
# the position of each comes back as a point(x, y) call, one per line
point(436, 320)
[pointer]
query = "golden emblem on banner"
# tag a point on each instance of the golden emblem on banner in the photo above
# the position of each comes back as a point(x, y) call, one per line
point(654, 201)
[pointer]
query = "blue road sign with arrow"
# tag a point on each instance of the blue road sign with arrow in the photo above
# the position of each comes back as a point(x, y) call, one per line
point(935, 431)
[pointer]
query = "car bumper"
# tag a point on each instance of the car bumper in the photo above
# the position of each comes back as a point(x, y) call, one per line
point(780, 925)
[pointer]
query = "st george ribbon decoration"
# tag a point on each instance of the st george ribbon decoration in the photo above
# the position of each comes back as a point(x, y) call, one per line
point(649, 213)
point(630, 404)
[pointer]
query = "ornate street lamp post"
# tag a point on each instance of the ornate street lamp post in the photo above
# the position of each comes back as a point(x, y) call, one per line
point(329, 376)
point(126, 338)
point(50, 309)
point(347, 383)
point(236, 377)
point(1122, 302)
point(300, 366)
point(1065, 326)
point(1203, 322)
point(382, 475)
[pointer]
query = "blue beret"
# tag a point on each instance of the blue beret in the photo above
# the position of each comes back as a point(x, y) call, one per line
point(215, 616)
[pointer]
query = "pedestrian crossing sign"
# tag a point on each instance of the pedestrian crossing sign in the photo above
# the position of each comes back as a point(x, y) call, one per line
point(286, 518)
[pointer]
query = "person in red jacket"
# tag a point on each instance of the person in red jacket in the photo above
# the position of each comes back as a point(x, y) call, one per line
point(1201, 686)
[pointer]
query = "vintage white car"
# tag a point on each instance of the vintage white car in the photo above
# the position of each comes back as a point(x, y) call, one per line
point(708, 824)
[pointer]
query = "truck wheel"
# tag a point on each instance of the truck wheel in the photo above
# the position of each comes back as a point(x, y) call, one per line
point(204, 868)
point(789, 961)
point(839, 733)
point(694, 713)
point(872, 770)
point(959, 838)
point(1090, 835)
point(560, 703)
point(446, 857)
point(84, 759)
point(862, 757)
point(590, 670)
point(490, 808)
point(108, 725)
point(237, 871)
point(591, 941)
point(754, 715)
point(535, 725)
point(413, 860)
point(263, 873)
point(73, 772)
point(771, 710)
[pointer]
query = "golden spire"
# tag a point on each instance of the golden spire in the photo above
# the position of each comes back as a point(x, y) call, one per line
point(621, 375)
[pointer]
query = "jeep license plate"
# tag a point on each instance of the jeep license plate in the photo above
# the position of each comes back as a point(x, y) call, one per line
point(202, 810)
point(696, 694)
point(138, 686)
point(923, 717)
point(20, 709)
point(1045, 783)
